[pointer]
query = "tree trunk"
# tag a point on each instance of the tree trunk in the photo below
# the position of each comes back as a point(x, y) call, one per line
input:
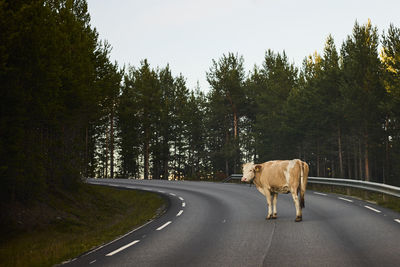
point(112, 141)
point(386, 165)
point(340, 152)
point(360, 160)
point(227, 155)
point(235, 130)
point(348, 164)
point(105, 172)
point(318, 166)
point(165, 168)
point(366, 158)
point(355, 161)
point(146, 154)
point(86, 153)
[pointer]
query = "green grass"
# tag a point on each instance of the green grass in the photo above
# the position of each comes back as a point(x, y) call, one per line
point(377, 198)
point(64, 225)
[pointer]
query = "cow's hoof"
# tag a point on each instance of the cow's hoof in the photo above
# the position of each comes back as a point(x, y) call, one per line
point(298, 219)
point(274, 216)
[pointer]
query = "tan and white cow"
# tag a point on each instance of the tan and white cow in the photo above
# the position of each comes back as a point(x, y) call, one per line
point(279, 176)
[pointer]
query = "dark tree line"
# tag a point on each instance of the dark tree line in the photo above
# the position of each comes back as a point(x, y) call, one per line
point(339, 112)
point(68, 112)
point(57, 87)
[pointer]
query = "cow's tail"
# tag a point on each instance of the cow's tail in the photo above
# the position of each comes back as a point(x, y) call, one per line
point(303, 181)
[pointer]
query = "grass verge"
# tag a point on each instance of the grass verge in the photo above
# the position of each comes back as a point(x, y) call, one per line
point(64, 225)
point(378, 198)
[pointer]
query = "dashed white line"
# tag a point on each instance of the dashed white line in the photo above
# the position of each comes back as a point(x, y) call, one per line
point(172, 194)
point(183, 204)
point(92, 262)
point(181, 198)
point(122, 248)
point(163, 226)
point(160, 191)
point(179, 213)
point(397, 220)
point(321, 194)
point(345, 199)
point(368, 207)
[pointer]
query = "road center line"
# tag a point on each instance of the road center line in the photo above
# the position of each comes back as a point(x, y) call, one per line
point(163, 226)
point(321, 194)
point(181, 198)
point(397, 220)
point(183, 204)
point(92, 262)
point(122, 248)
point(179, 213)
point(345, 199)
point(368, 207)
point(172, 194)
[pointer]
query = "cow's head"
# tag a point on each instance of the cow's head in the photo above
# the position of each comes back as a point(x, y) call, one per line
point(249, 171)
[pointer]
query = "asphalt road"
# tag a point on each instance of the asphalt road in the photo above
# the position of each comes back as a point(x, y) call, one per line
point(216, 224)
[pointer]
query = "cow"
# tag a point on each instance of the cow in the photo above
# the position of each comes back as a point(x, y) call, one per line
point(279, 176)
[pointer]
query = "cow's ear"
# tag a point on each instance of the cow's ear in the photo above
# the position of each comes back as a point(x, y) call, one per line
point(258, 167)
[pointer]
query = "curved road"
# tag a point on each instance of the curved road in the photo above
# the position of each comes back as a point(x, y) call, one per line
point(215, 224)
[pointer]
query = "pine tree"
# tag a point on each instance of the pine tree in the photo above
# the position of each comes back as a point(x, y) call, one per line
point(390, 57)
point(226, 78)
point(362, 88)
point(279, 79)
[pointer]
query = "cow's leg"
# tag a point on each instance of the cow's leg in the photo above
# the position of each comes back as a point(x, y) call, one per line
point(297, 204)
point(268, 196)
point(274, 200)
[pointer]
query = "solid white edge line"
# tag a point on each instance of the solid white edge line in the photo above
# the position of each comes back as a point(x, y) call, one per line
point(321, 194)
point(181, 198)
point(368, 207)
point(179, 213)
point(345, 199)
point(104, 245)
point(163, 226)
point(397, 220)
point(183, 204)
point(122, 248)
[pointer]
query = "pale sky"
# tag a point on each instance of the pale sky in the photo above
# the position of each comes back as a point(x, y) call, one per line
point(188, 34)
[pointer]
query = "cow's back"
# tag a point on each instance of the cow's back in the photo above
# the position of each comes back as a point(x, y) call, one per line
point(280, 175)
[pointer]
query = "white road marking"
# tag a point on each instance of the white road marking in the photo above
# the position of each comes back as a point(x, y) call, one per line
point(179, 213)
point(397, 220)
point(345, 199)
point(321, 194)
point(68, 261)
point(181, 198)
point(92, 262)
point(172, 194)
point(368, 207)
point(122, 248)
point(160, 191)
point(163, 226)
point(183, 204)
point(102, 246)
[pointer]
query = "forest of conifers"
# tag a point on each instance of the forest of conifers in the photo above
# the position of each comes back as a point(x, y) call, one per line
point(68, 112)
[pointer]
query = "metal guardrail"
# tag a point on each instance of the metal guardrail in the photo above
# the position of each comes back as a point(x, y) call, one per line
point(233, 177)
point(369, 186)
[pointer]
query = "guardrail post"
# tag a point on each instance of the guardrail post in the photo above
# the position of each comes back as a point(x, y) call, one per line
point(348, 191)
